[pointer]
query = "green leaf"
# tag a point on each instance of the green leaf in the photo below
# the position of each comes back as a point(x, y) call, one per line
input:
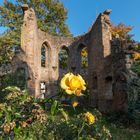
point(65, 115)
point(54, 108)
point(17, 115)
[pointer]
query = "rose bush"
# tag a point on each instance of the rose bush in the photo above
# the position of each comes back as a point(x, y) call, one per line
point(23, 117)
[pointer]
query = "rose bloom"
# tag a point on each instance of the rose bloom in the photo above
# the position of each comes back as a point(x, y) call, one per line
point(75, 103)
point(73, 84)
point(89, 118)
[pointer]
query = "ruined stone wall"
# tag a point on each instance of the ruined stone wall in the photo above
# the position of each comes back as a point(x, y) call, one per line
point(102, 63)
point(120, 75)
point(99, 53)
point(29, 44)
point(50, 73)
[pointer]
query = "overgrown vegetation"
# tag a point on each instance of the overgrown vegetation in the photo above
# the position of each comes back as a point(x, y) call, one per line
point(134, 101)
point(24, 117)
point(134, 94)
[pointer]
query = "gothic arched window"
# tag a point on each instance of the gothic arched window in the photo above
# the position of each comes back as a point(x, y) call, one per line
point(43, 56)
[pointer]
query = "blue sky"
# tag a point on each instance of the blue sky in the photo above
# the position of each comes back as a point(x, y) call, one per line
point(82, 14)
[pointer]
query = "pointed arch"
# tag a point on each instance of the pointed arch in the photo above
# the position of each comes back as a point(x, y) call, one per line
point(63, 60)
point(45, 54)
point(82, 54)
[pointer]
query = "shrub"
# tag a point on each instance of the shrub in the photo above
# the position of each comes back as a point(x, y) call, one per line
point(17, 111)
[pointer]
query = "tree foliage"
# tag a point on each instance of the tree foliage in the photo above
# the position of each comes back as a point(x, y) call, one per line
point(121, 31)
point(51, 16)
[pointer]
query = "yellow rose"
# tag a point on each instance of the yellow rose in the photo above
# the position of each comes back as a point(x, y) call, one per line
point(89, 118)
point(73, 84)
point(75, 103)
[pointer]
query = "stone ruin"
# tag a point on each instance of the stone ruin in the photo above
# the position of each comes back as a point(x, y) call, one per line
point(107, 72)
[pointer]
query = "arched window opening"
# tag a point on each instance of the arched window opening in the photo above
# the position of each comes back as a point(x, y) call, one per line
point(83, 60)
point(43, 56)
point(63, 60)
point(42, 89)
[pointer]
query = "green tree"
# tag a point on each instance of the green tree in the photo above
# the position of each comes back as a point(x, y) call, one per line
point(51, 16)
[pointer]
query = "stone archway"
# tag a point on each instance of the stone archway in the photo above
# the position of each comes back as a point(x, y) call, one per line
point(44, 70)
point(63, 61)
point(82, 60)
point(45, 55)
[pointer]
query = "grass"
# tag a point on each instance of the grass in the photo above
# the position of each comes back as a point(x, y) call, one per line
point(121, 133)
